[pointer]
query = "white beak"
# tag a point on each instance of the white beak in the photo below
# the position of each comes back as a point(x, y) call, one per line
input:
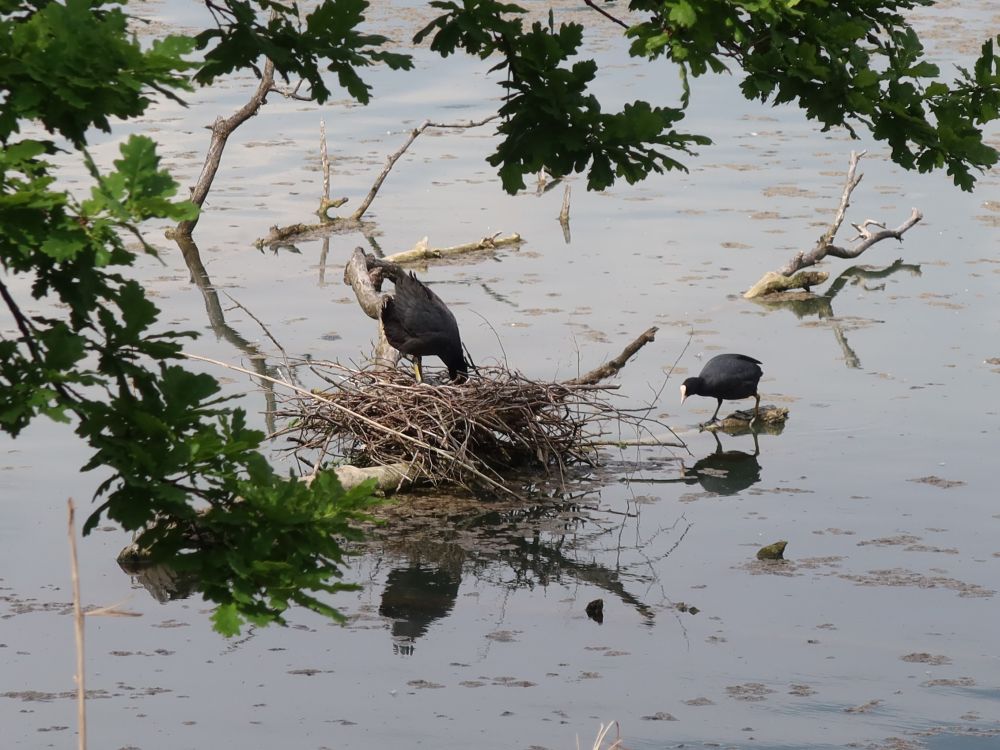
point(684, 394)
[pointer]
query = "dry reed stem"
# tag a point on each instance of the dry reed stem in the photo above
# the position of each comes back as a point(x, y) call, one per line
point(81, 693)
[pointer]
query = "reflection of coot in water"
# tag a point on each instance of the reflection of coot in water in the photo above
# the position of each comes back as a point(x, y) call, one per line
point(725, 472)
point(726, 376)
point(415, 597)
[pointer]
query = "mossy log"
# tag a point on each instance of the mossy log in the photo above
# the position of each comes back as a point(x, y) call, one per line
point(772, 282)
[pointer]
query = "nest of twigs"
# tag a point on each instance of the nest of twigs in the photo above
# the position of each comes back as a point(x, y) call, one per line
point(496, 425)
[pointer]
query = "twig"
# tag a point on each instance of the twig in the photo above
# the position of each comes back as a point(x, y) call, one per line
point(591, 4)
point(259, 322)
point(325, 159)
point(81, 691)
point(292, 93)
point(391, 161)
point(609, 369)
point(633, 443)
point(26, 328)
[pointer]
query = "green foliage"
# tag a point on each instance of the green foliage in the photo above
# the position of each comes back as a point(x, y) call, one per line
point(846, 63)
point(329, 35)
point(73, 66)
point(179, 467)
point(550, 120)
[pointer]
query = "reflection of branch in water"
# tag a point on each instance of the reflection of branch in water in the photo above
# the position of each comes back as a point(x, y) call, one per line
point(856, 274)
point(217, 320)
point(502, 298)
point(850, 358)
point(803, 304)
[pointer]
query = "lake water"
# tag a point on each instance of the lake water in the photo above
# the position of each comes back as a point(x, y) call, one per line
point(470, 629)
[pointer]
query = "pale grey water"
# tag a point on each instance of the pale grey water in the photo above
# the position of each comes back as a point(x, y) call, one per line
point(501, 654)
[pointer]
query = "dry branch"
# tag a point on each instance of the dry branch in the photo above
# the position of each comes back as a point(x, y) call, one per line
point(612, 368)
point(773, 282)
point(393, 158)
point(222, 128)
point(824, 246)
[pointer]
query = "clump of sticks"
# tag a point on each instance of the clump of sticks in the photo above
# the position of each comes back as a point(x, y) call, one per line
point(496, 425)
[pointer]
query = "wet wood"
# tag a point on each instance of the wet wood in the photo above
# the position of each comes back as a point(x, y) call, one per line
point(768, 418)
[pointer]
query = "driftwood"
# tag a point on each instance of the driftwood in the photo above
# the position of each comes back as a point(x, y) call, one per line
point(424, 252)
point(824, 246)
point(770, 420)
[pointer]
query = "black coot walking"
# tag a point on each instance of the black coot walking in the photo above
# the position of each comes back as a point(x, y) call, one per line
point(726, 376)
point(419, 324)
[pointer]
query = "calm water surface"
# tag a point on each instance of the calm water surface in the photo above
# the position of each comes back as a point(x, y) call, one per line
point(470, 629)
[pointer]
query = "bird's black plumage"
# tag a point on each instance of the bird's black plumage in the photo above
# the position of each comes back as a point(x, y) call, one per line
point(419, 324)
point(726, 376)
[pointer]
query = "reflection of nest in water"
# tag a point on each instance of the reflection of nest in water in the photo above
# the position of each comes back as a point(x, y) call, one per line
point(496, 423)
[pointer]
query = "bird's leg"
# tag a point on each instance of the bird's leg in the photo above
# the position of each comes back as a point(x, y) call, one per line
point(713, 419)
point(756, 408)
point(416, 369)
point(714, 416)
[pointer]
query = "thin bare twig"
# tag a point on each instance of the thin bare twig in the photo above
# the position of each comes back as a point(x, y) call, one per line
point(393, 158)
point(259, 322)
point(325, 159)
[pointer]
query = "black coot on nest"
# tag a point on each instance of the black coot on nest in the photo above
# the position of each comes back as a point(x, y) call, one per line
point(419, 324)
point(726, 376)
